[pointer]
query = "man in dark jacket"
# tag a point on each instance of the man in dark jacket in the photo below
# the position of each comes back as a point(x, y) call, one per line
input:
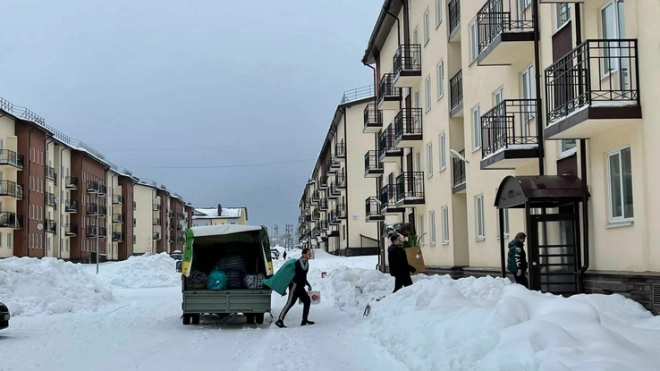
point(517, 262)
point(398, 261)
point(297, 290)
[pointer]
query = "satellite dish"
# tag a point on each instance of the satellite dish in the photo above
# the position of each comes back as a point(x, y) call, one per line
point(454, 153)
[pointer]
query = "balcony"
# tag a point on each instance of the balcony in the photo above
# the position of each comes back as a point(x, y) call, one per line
point(407, 63)
point(71, 230)
point(389, 97)
point(334, 219)
point(459, 175)
point(103, 210)
point(508, 134)
point(373, 168)
point(51, 174)
point(11, 220)
point(315, 197)
point(117, 236)
point(408, 127)
point(323, 204)
point(92, 209)
point(316, 215)
point(342, 180)
point(11, 158)
point(373, 119)
point(592, 90)
point(117, 200)
point(156, 236)
point(388, 153)
point(372, 210)
point(51, 200)
point(323, 182)
point(316, 232)
point(71, 206)
point(93, 186)
point(51, 226)
point(90, 231)
point(456, 94)
point(334, 191)
point(341, 210)
point(333, 165)
point(103, 189)
point(156, 221)
point(410, 188)
point(11, 189)
point(103, 232)
point(117, 218)
point(388, 203)
point(156, 207)
point(340, 151)
point(71, 182)
point(181, 216)
point(454, 15)
point(506, 32)
point(179, 227)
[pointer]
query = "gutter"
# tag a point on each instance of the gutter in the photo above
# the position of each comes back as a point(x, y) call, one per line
point(348, 239)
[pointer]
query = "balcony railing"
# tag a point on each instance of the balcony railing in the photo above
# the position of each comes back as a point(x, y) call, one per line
point(315, 197)
point(372, 207)
point(386, 142)
point(11, 189)
point(323, 204)
point(9, 157)
point(92, 186)
point(71, 230)
point(586, 76)
point(117, 218)
point(156, 221)
point(51, 174)
point(156, 235)
point(11, 220)
point(386, 89)
point(103, 210)
point(181, 216)
point(91, 231)
point(410, 186)
point(103, 232)
point(51, 200)
point(71, 206)
point(334, 190)
point(51, 226)
point(407, 123)
point(373, 117)
point(92, 208)
point(454, 10)
point(341, 210)
point(71, 182)
point(499, 16)
point(509, 124)
point(408, 59)
point(117, 236)
point(333, 218)
point(456, 89)
point(103, 189)
point(117, 199)
point(458, 168)
point(341, 179)
point(388, 197)
point(156, 207)
point(340, 150)
point(323, 182)
point(372, 162)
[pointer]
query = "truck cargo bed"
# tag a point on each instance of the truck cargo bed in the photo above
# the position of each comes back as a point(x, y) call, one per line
point(227, 301)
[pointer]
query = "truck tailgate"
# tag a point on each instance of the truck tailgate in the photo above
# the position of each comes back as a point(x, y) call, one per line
point(226, 301)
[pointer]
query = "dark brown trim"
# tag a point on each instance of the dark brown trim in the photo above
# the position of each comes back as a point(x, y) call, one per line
point(592, 113)
point(508, 154)
point(459, 188)
point(504, 37)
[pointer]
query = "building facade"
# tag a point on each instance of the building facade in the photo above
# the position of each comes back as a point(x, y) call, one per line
point(219, 215)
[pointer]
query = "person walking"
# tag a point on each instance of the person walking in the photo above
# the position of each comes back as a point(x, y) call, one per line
point(297, 290)
point(398, 261)
point(284, 255)
point(517, 262)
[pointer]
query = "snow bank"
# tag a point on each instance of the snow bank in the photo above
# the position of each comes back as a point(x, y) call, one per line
point(491, 324)
point(31, 286)
point(139, 272)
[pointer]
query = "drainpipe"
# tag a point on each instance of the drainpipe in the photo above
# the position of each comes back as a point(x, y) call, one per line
point(29, 193)
point(348, 238)
point(583, 168)
point(62, 198)
point(537, 78)
point(48, 140)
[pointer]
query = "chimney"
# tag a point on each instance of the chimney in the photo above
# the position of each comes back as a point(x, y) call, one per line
point(219, 210)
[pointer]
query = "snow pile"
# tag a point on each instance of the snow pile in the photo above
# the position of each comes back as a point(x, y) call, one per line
point(491, 324)
point(139, 272)
point(30, 286)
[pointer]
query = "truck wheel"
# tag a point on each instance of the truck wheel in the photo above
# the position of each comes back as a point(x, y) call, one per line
point(186, 319)
point(195, 319)
point(260, 318)
point(249, 319)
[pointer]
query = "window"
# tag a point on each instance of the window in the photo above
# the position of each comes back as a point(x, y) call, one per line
point(445, 225)
point(432, 226)
point(0, 239)
point(619, 169)
point(476, 128)
point(418, 103)
point(429, 159)
point(527, 90)
point(562, 14)
point(523, 5)
point(416, 36)
point(441, 79)
point(612, 27)
point(474, 41)
point(9, 240)
point(427, 31)
point(479, 217)
point(499, 124)
point(443, 152)
point(427, 93)
point(567, 145)
point(421, 227)
point(505, 224)
point(438, 12)
point(31, 241)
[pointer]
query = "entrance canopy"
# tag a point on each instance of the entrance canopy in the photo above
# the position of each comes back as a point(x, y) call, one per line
point(542, 191)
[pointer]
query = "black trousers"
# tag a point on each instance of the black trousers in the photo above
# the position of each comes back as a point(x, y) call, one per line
point(296, 292)
point(522, 280)
point(401, 281)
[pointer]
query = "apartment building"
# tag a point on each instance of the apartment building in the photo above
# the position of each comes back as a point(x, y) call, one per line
point(177, 222)
point(219, 215)
point(332, 206)
point(501, 116)
point(61, 198)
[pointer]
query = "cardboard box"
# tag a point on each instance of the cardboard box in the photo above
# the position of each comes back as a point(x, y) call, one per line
point(415, 258)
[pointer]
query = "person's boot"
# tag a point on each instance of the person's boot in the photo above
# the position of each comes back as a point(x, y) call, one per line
point(306, 322)
point(279, 323)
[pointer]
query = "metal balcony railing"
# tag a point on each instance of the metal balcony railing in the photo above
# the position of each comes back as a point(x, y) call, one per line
point(372, 207)
point(340, 150)
point(386, 87)
point(387, 197)
point(51, 200)
point(10, 219)
point(71, 229)
point(454, 10)
point(408, 122)
point(498, 16)
point(71, 182)
point(509, 124)
point(410, 186)
point(51, 226)
point(372, 161)
point(408, 58)
point(71, 206)
point(51, 174)
point(456, 89)
point(458, 169)
point(10, 188)
point(117, 199)
point(372, 116)
point(9, 157)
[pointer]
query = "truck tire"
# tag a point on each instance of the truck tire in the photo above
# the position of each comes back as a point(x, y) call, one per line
point(249, 319)
point(259, 317)
point(195, 319)
point(186, 319)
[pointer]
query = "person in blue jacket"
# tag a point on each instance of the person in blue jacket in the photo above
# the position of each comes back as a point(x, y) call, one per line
point(297, 290)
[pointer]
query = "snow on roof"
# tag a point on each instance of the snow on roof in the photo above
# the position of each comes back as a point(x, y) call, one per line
point(212, 230)
point(212, 212)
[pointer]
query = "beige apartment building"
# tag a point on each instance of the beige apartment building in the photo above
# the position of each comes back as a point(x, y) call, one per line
point(335, 202)
point(500, 116)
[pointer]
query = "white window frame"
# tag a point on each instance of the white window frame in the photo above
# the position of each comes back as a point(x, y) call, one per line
point(476, 127)
point(506, 222)
point(480, 220)
point(418, 162)
point(438, 13)
point(429, 159)
point(445, 225)
point(432, 228)
point(565, 149)
point(618, 34)
point(441, 79)
point(427, 27)
point(9, 240)
point(416, 36)
point(421, 227)
point(417, 99)
point(443, 151)
point(557, 12)
point(474, 41)
point(610, 200)
point(523, 5)
point(527, 91)
point(427, 92)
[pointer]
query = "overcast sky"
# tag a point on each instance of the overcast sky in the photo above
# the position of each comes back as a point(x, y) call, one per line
point(157, 83)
